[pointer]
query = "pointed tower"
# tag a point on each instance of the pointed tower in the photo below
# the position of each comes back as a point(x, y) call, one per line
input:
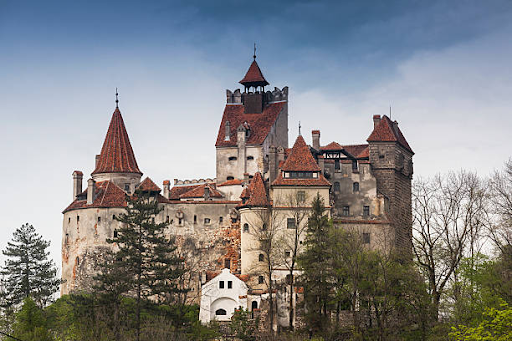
point(252, 122)
point(116, 161)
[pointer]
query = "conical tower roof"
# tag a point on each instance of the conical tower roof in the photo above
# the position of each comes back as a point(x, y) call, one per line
point(117, 154)
point(254, 77)
point(300, 158)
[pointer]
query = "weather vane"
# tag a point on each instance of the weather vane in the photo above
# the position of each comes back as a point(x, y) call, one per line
point(254, 55)
point(117, 100)
point(299, 129)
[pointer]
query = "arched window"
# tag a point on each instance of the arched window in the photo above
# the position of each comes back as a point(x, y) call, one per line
point(261, 257)
point(246, 227)
point(355, 187)
point(336, 186)
point(220, 312)
point(254, 305)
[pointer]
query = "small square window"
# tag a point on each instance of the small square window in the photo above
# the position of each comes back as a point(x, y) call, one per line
point(301, 196)
point(230, 284)
point(287, 254)
point(260, 280)
point(290, 223)
point(221, 285)
point(206, 220)
point(366, 238)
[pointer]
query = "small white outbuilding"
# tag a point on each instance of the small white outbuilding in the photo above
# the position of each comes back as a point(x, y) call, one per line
point(221, 296)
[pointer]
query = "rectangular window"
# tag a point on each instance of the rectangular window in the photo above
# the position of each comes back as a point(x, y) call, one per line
point(366, 238)
point(346, 211)
point(227, 263)
point(337, 164)
point(221, 284)
point(290, 223)
point(127, 188)
point(99, 219)
point(230, 284)
point(366, 211)
point(221, 219)
point(287, 254)
point(301, 196)
point(167, 219)
point(260, 280)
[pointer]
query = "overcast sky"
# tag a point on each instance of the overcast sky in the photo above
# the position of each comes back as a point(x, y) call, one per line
point(443, 66)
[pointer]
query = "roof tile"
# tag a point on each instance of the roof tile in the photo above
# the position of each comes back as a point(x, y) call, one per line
point(300, 158)
point(387, 131)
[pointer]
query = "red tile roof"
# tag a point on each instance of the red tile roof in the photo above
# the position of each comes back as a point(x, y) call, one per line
point(260, 124)
point(198, 192)
point(254, 77)
point(231, 182)
point(177, 191)
point(356, 150)
point(332, 146)
point(257, 193)
point(387, 131)
point(148, 186)
point(300, 158)
point(116, 154)
point(320, 181)
point(107, 195)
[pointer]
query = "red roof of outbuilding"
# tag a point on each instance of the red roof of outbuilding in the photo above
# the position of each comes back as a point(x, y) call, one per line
point(300, 158)
point(254, 77)
point(387, 131)
point(117, 154)
point(259, 124)
point(148, 186)
point(198, 192)
point(231, 182)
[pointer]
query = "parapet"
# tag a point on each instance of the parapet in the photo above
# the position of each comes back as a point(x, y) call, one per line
point(276, 95)
point(178, 182)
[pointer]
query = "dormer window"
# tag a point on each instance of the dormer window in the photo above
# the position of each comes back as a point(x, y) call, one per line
point(301, 175)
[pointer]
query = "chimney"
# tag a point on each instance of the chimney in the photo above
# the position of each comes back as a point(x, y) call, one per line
point(206, 193)
point(90, 191)
point(167, 189)
point(272, 163)
point(376, 121)
point(395, 127)
point(96, 160)
point(321, 163)
point(77, 183)
point(316, 139)
point(280, 155)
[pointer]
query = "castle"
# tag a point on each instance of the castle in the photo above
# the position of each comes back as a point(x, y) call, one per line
point(216, 221)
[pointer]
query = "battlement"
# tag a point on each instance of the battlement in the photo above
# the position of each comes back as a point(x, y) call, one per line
point(178, 182)
point(276, 95)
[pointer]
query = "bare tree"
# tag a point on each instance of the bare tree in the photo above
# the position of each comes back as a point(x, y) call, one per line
point(500, 185)
point(449, 216)
point(266, 224)
point(297, 210)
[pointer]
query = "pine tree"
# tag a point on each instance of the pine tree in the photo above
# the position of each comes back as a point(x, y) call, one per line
point(145, 263)
point(28, 271)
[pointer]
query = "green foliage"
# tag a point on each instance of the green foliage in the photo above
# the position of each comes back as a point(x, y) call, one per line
point(496, 325)
point(27, 270)
point(243, 326)
point(30, 323)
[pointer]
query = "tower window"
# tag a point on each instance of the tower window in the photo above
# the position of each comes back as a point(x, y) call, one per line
point(221, 285)
point(260, 279)
point(336, 186)
point(290, 223)
point(232, 158)
point(115, 233)
point(180, 221)
point(77, 218)
point(113, 217)
point(355, 187)
point(195, 219)
point(127, 188)
point(230, 284)
point(366, 211)
point(221, 219)
point(287, 254)
point(254, 305)
point(69, 220)
point(99, 219)
point(246, 227)
point(230, 178)
point(264, 227)
point(250, 158)
point(77, 261)
point(346, 211)
point(206, 220)
point(366, 238)
point(261, 257)
point(227, 263)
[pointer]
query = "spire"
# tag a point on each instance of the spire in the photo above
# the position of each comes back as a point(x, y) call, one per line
point(117, 100)
point(254, 77)
point(116, 154)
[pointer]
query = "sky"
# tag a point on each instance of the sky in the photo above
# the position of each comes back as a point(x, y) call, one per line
point(443, 67)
